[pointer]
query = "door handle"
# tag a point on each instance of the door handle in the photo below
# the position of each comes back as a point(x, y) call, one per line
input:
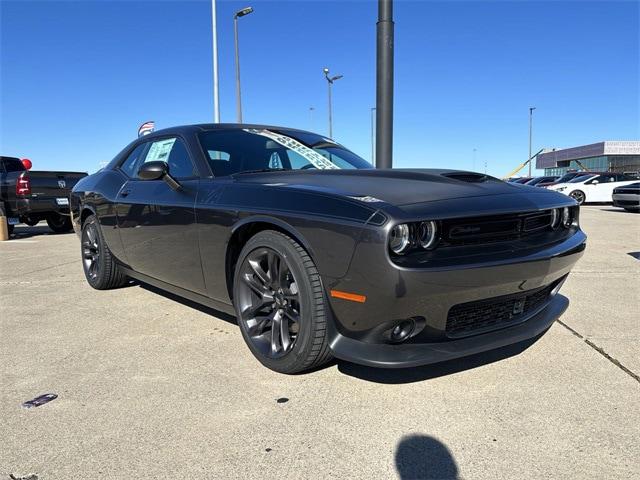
point(124, 193)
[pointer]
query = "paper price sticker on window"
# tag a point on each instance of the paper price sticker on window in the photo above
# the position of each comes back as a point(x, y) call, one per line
point(159, 151)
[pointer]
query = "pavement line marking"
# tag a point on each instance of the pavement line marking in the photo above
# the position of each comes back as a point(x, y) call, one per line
point(601, 351)
point(17, 240)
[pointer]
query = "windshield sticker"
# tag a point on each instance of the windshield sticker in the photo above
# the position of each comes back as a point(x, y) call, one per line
point(159, 151)
point(317, 160)
point(366, 199)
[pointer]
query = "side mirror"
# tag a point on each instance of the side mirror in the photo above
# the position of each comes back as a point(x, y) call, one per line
point(157, 170)
point(595, 182)
point(153, 170)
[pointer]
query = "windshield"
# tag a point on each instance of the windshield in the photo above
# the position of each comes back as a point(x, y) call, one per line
point(581, 178)
point(249, 150)
point(567, 176)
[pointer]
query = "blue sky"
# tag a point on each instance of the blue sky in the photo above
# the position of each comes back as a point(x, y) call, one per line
point(77, 78)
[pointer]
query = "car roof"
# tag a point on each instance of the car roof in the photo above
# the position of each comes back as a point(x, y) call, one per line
point(203, 127)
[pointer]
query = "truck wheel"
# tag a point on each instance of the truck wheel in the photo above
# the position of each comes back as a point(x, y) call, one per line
point(59, 223)
point(10, 229)
point(100, 268)
point(280, 304)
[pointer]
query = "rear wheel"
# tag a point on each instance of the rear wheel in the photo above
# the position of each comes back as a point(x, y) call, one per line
point(100, 268)
point(59, 223)
point(280, 304)
point(578, 196)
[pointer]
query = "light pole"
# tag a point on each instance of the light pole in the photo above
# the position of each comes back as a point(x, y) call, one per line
point(384, 84)
point(531, 109)
point(216, 94)
point(238, 14)
point(373, 137)
point(330, 81)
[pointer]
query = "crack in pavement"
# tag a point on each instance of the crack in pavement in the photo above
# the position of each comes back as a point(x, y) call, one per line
point(601, 351)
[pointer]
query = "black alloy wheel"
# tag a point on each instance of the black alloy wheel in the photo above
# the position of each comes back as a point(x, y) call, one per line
point(269, 302)
point(280, 304)
point(90, 251)
point(578, 196)
point(100, 267)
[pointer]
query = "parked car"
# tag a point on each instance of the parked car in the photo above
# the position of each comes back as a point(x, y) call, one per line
point(566, 178)
point(593, 187)
point(627, 197)
point(522, 180)
point(320, 255)
point(540, 181)
point(31, 196)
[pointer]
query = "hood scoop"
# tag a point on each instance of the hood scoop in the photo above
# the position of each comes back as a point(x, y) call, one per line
point(468, 177)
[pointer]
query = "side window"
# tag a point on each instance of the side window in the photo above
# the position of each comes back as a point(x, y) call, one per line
point(134, 160)
point(174, 152)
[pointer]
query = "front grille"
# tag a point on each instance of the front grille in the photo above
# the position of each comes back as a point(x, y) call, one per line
point(498, 228)
point(492, 313)
point(630, 203)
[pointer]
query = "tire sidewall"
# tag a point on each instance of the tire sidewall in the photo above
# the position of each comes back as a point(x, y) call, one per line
point(296, 359)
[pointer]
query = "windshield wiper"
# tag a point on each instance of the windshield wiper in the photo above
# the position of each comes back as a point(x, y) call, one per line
point(261, 170)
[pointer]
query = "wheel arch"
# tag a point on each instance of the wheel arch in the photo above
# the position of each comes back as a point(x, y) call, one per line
point(247, 228)
point(85, 212)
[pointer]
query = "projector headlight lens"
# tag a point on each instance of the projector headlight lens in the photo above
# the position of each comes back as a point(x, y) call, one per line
point(427, 234)
point(399, 238)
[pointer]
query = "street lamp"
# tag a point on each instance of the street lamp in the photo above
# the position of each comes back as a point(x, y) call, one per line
point(330, 81)
point(238, 14)
point(531, 109)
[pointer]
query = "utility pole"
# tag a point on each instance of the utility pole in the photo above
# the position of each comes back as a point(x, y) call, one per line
point(216, 91)
point(373, 137)
point(531, 109)
point(238, 14)
point(330, 81)
point(384, 84)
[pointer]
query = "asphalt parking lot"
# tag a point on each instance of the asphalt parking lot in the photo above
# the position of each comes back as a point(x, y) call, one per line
point(152, 387)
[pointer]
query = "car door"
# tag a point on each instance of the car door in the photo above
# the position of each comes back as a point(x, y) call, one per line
point(157, 223)
point(600, 188)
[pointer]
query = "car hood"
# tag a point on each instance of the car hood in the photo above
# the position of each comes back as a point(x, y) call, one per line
point(395, 186)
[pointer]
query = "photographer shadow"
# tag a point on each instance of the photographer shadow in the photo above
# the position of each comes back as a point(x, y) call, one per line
point(424, 457)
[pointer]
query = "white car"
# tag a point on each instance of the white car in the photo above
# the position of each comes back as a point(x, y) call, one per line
point(592, 187)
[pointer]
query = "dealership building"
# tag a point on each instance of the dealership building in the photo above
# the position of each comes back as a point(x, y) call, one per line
point(618, 156)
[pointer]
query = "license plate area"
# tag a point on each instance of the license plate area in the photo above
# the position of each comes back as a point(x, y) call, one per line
point(62, 201)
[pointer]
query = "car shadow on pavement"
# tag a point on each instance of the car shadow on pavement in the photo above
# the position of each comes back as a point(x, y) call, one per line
point(24, 231)
point(188, 303)
point(427, 372)
point(424, 457)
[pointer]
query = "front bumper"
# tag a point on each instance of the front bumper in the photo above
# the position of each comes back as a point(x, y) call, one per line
point(626, 200)
point(415, 354)
point(360, 330)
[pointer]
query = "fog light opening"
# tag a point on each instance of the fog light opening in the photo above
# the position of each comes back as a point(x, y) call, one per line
point(402, 331)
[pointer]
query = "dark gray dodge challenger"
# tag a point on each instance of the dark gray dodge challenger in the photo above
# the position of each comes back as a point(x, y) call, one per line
point(319, 255)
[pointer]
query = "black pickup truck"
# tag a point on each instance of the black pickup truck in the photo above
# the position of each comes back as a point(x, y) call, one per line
point(29, 197)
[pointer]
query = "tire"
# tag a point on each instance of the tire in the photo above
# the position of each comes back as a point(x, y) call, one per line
point(59, 223)
point(293, 302)
point(578, 196)
point(10, 229)
point(100, 268)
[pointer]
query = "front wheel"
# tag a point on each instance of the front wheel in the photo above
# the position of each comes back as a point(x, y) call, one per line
point(100, 268)
point(280, 304)
point(59, 223)
point(578, 196)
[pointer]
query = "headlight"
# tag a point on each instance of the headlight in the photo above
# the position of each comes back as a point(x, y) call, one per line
point(566, 217)
point(399, 238)
point(555, 218)
point(427, 234)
